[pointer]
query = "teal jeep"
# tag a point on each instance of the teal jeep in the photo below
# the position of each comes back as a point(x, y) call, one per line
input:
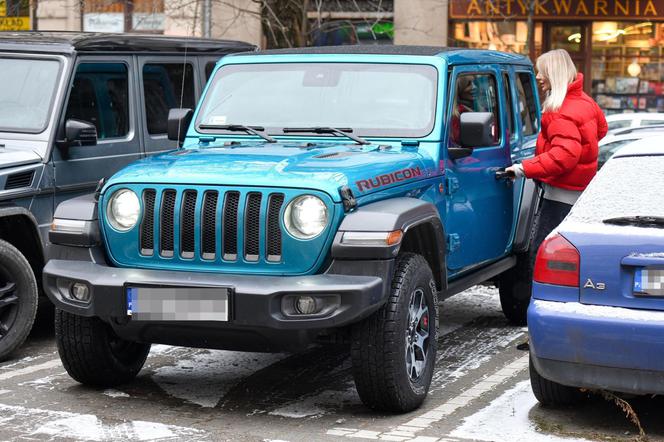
point(320, 195)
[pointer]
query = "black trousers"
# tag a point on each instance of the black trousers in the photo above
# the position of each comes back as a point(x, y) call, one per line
point(551, 214)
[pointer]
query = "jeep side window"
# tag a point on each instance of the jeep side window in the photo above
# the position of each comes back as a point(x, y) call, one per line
point(165, 88)
point(474, 93)
point(527, 103)
point(511, 124)
point(100, 96)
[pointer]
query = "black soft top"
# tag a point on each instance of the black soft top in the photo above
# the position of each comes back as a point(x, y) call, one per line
point(69, 42)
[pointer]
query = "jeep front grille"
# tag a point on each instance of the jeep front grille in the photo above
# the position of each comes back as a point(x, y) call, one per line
point(211, 225)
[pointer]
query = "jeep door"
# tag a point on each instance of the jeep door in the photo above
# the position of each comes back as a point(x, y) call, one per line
point(479, 214)
point(100, 93)
point(166, 82)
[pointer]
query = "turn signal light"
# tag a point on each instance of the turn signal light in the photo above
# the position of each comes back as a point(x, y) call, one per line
point(557, 262)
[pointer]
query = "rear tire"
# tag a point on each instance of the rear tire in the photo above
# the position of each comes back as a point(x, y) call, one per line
point(551, 393)
point(93, 354)
point(18, 299)
point(394, 350)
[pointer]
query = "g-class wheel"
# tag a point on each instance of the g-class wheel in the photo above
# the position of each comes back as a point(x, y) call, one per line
point(18, 298)
point(93, 354)
point(394, 350)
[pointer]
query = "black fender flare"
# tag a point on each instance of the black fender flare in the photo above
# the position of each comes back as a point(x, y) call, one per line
point(423, 233)
point(30, 244)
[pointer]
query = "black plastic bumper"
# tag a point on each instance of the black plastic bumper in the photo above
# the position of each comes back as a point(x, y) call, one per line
point(255, 303)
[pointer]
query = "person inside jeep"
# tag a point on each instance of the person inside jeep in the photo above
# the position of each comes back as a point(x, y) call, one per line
point(465, 96)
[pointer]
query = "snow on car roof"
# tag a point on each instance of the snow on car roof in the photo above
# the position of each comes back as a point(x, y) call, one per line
point(653, 145)
point(634, 115)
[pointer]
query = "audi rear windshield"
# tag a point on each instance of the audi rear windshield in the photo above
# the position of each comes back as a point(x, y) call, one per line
point(626, 187)
point(27, 92)
point(391, 100)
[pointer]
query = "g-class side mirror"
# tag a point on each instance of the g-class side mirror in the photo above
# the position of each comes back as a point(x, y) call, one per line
point(80, 133)
point(477, 129)
point(178, 123)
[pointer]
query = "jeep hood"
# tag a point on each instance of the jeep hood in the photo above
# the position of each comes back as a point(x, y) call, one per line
point(10, 157)
point(324, 166)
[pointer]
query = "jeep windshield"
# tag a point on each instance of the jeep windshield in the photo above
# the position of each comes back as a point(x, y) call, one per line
point(27, 92)
point(384, 100)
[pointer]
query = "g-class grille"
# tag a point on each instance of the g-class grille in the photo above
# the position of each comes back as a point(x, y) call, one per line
point(211, 225)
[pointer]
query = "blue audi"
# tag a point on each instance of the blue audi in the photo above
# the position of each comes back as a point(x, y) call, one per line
point(596, 319)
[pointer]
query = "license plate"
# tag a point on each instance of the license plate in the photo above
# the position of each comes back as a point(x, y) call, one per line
point(649, 282)
point(178, 303)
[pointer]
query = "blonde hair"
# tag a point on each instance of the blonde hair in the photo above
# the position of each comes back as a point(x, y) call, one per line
point(557, 67)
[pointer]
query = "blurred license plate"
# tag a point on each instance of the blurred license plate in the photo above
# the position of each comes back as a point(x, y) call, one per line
point(649, 282)
point(177, 303)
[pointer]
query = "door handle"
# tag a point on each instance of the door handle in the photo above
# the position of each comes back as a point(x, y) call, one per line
point(502, 174)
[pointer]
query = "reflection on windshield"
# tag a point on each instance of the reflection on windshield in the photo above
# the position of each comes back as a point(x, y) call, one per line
point(372, 99)
point(28, 86)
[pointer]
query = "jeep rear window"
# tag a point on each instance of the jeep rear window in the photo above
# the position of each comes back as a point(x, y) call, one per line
point(27, 93)
point(392, 100)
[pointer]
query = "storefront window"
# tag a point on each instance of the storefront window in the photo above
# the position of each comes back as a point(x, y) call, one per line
point(344, 32)
point(123, 16)
point(566, 37)
point(508, 36)
point(628, 66)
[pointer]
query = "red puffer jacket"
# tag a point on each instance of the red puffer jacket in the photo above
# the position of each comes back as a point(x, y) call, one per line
point(566, 153)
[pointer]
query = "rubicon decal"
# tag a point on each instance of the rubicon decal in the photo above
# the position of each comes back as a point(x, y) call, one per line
point(388, 178)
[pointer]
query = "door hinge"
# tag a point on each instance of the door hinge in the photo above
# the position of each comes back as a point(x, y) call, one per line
point(451, 185)
point(453, 242)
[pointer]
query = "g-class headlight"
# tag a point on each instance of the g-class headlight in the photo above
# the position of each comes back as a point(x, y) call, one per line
point(123, 209)
point(305, 217)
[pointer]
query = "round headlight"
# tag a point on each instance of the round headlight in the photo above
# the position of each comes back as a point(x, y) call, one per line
point(305, 217)
point(123, 209)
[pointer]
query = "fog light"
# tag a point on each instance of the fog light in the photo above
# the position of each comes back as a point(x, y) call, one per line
point(80, 291)
point(305, 305)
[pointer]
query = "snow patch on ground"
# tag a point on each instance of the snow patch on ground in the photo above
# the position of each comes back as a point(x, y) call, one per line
point(463, 307)
point(87, 427)
point(21, 361)
point(45, 383)
point(318, 405)
point(506, 418)
point(203, 377)
point(115, 393)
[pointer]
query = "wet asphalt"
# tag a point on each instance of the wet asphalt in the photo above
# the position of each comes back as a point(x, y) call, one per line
point(480, 391)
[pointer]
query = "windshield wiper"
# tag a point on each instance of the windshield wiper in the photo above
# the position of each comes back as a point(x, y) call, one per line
point(253, 130)
point(344, 132)
point(641, 221)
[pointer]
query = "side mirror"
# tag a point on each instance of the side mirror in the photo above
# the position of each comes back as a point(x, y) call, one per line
point(178, 123)
point(477, 129)
point(80, 133)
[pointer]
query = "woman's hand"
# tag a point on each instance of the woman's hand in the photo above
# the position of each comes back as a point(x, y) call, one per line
point(516, 170)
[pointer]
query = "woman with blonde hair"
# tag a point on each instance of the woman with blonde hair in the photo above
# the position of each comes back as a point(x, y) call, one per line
point(566, 154)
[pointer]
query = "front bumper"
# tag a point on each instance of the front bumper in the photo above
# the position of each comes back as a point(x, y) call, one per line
point(255, 305)
point(599, 347)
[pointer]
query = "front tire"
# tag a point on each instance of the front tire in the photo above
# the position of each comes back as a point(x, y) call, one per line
point(93, 354)
point(394, 350)
point(18, 299)
point(551, 393)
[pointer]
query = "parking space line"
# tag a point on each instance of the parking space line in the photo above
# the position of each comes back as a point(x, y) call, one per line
point(32, 369)
point(408, 430)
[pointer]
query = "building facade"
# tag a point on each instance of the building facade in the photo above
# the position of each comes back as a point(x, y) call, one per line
point(617, 44)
